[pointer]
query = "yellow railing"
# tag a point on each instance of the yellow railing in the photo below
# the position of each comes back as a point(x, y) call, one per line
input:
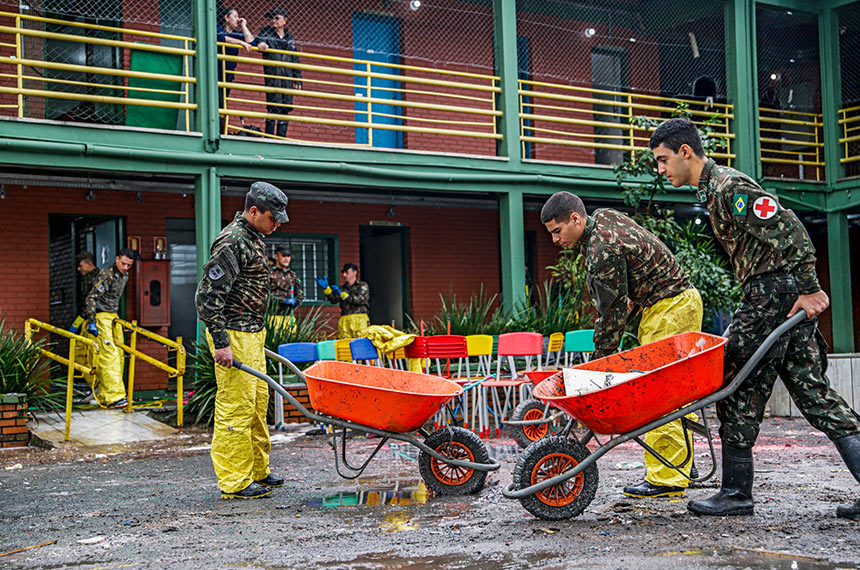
point(440, 102)
point(792, 138)
point(131, 349)
point(849, 119)
point(32, 326)
point(566, 115)
point(26, 70)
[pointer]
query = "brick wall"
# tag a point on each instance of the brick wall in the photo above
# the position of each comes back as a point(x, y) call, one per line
point(291, 414)
point(13, 420)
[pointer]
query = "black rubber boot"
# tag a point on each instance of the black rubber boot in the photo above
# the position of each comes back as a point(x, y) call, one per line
point(282, 128)
point(252, 491)
point(271, 481)
point(849, 449)
point(735, 496)
point(646, 490)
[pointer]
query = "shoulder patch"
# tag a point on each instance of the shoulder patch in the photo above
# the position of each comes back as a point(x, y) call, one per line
point(101, 288)
point(216, 272)
point(739, 204)
point(764, 208)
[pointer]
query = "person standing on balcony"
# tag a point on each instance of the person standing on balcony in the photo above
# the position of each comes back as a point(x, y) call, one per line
point(102, 304)
point(233, 30)
point(774, 259)
point(627, 266)
point(354, 299)
point(286, 292)
point(278, 38)
point(231, 301)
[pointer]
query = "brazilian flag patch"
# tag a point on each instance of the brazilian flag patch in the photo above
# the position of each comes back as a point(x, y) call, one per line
point(740, 204)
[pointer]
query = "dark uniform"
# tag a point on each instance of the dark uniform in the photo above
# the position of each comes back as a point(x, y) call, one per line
point(774, 260)
point(284, 284)
point(86, 285)
point(278, 76)
point(231, 301)
point(354, 303)
point(624, 260)
point(101, 307)
point(105, 292)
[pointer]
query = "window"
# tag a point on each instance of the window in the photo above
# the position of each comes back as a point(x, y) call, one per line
point(313, 256)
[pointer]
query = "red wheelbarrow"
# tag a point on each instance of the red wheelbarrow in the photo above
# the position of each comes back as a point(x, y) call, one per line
point(556, 477)
point(391, 404)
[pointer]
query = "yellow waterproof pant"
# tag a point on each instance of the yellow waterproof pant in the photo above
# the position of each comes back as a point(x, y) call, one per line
point(111, 359)
point(285, 322)
point(675, 315)
point(240, 439)
point(352, 326)
point(84, 355)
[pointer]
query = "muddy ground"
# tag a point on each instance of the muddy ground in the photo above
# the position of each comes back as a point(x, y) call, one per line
point(157, 506)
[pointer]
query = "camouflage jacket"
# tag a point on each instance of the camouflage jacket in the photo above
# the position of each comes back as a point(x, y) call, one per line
point(235, 286)
point(624, 261)
point(357, 298)
point(284, 284)
point(759, 235)
point(86, 285)
point(106, 292)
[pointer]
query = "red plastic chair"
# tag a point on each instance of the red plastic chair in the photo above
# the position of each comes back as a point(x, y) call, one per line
point(418, 349)
point(512, 345)
point(447, 348)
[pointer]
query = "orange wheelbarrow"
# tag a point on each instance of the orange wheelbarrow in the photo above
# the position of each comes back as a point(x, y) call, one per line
point(391, 404)
point(556, 477)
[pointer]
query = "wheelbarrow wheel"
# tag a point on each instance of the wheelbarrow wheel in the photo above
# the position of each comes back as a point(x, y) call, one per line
point(456, 443)
point(547, 458)
point(529, 410)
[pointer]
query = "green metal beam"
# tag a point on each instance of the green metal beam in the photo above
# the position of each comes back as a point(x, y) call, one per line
point(205, 22)
point(831, 92)
point(508, 101)
point(207, 220)
point(742, 84)
point(839, 258)
point(512, 250)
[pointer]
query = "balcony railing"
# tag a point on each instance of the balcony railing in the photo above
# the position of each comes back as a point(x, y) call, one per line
point(48, 60)
point(342, 100)
point(849, 120)
point(588, 125)
point(791, 144)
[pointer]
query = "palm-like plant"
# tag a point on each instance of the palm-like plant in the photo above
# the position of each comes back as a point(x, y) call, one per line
point(23, 370)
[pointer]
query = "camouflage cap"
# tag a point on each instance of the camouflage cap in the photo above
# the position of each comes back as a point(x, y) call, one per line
point(284, 250)
point(271, 197)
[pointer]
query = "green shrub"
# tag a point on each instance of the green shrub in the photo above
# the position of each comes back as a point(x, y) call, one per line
point(23, 370)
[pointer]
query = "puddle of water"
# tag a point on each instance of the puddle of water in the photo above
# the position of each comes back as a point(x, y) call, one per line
point(461, 561)
point(400, 494)
point(760, 559)
point(397, 522)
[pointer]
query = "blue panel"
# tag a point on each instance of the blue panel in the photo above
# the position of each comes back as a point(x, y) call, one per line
point(377, 38)
point(299, 351)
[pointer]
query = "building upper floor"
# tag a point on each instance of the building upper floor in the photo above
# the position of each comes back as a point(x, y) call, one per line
point(555, 82)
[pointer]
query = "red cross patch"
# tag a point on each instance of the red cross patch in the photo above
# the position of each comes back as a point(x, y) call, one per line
point(764, 208)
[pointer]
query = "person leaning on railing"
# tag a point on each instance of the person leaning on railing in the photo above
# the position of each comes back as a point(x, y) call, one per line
point(233, 30)
point(278, 38)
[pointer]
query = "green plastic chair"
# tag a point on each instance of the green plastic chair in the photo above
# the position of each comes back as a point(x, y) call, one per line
point(326, 349)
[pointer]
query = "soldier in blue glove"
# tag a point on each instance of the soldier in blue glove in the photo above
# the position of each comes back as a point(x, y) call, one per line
point(285, 289)
point(354, 299)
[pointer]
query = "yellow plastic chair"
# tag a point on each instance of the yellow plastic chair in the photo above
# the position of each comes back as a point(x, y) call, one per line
point(555, 346)
point(342, 351)
point(481, 347)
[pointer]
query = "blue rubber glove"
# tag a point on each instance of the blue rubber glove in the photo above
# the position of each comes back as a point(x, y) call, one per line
point(74, 329)
point(291, 302)
point(335, 289)
point(93, 329)
point(322, 282)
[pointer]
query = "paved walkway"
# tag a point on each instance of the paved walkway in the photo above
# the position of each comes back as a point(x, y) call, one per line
point(99, 427)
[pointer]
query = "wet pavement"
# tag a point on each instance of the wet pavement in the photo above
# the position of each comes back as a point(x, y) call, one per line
point(155, 505)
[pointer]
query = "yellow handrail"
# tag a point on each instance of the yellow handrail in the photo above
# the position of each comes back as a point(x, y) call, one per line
point(99, 27)
point(32, 326)
point(849, 127)
point(803, 142)
point(172, 372)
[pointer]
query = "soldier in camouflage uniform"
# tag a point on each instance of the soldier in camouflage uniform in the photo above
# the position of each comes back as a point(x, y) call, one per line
point(354, 299)
point(774, 260)
point(286, 291)
point(100, 310)
point(231, 301)
point(89, 272)
point(626, 265)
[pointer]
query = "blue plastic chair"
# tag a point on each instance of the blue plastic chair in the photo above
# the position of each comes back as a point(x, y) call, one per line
point(325, 350)
point(580, 343)
point(363, 350)
point(299, 352)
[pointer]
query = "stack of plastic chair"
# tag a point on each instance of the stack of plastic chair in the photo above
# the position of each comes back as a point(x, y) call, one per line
point(418, 349)
point(480, 346)
point(555, 346)
point(363, 351)
point(325, 348)
point(342, 351)
point(512, 345)
point(396, 359)
point(578, 344)
point(297, 353)
point(447, 348)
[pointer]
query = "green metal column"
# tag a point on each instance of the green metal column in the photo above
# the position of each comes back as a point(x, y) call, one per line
point(831, 92)
point(207, 73)
point(508, 102)
point(512, 250)
point(839, 258)
point(207, 214)
point(742, 84)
